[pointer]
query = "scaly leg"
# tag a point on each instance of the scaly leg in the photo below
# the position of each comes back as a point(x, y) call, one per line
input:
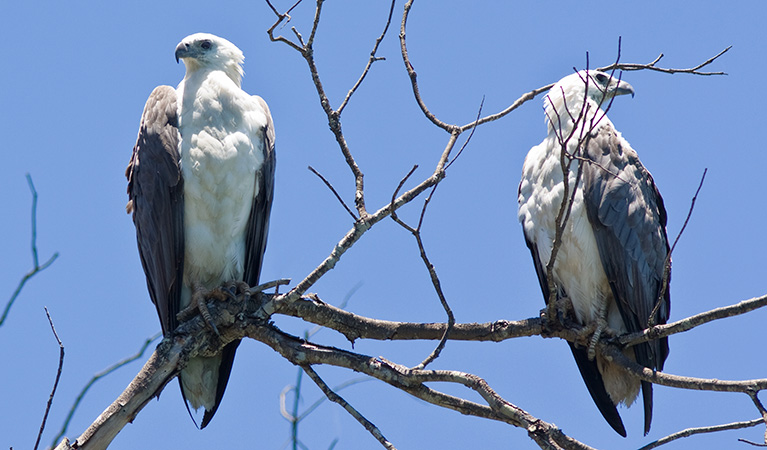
point(601, 325)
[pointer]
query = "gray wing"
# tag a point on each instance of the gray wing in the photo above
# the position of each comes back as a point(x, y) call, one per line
point(258, 224)
point(155, 190)
point(629, 220)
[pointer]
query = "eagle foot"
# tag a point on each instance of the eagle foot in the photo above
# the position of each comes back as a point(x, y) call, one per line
point(233, 289)
point(556, 314)
point(198, 304)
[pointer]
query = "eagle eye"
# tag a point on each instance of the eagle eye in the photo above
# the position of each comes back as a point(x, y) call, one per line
point(205, 44)
point(602, 78)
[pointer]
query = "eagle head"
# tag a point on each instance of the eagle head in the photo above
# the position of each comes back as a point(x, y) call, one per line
point(204, 50)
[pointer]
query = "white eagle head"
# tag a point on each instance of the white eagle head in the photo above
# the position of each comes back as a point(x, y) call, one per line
point(208, 51)
point(583, 91)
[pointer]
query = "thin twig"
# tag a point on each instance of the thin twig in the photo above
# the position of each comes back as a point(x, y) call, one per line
point(623, 66)
point(280, 18)
point(96, 378)
point(333, 397)
point(760, 407)
point(37, 267)
point(661, 331)
point(373, 58)
point(678, 381)
point(651, 66)
point(55, 383)
point(332, 189)
point(416, 232)
point(414, 77)
point(667, 262)
point(474, 128)
point(700, 430)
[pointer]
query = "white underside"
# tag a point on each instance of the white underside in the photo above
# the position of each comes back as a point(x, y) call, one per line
point(221, 149)
point(577, 268)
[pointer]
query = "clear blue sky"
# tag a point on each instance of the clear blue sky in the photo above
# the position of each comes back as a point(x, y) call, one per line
point(73, 83)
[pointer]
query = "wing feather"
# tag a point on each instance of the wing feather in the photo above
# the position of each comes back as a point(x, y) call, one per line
point(258, 224)
point(629, 222)
point(155, 192)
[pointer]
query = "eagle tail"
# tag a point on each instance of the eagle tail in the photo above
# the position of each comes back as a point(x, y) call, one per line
point(595, 384)
point(225, 369)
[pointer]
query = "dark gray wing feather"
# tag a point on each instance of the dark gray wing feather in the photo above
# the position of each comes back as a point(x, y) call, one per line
point(155, 190)
point(627, 214)
point(258, 224)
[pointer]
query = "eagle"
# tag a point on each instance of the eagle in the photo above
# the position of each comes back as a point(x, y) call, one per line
point(200, 187)
point(611, 263)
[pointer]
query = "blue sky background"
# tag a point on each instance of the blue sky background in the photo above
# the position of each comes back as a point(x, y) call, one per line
point(74, 79)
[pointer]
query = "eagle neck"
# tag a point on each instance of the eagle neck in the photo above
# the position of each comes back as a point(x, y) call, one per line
point(196, 75)
point(565, 111)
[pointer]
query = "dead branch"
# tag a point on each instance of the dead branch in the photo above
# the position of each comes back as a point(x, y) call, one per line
point(96, 378)
point(55, 383)
point(660, 331)
point(333, 190)
point(335, 398)
point(700, 430)
point(667, 263)
point(237, 318)
point(651, 66)
point(36, 266)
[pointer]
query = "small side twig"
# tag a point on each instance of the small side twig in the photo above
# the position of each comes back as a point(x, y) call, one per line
point(37, 266)
point(373, 58)
point(651, 66)
point(96, 378)
point(414, 76)
point(333, 397)
point(416, 232)
point(760, 407)
point(332, 189)
point(700, 430)
point(55, 383)
point(280, 18)
point(667, 263)
point(473, 129)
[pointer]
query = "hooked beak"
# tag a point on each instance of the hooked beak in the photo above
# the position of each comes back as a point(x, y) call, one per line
point(624, 88)
point(182, 51)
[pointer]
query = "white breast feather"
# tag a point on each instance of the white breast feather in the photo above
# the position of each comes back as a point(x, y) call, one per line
point(221, 150)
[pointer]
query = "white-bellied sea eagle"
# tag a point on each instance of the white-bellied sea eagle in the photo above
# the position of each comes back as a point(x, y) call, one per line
point(614, 246)
point(200, 183)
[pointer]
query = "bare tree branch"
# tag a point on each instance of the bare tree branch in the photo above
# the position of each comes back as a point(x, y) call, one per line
point(96, 378)
point(660, 331)
point(37, 267)
point(333, 190)
point(667, 263)
point(373, 58)
point(55, 383)
point(236, 319)
point(700, 430)
point(333, 397)
point(651, 66)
